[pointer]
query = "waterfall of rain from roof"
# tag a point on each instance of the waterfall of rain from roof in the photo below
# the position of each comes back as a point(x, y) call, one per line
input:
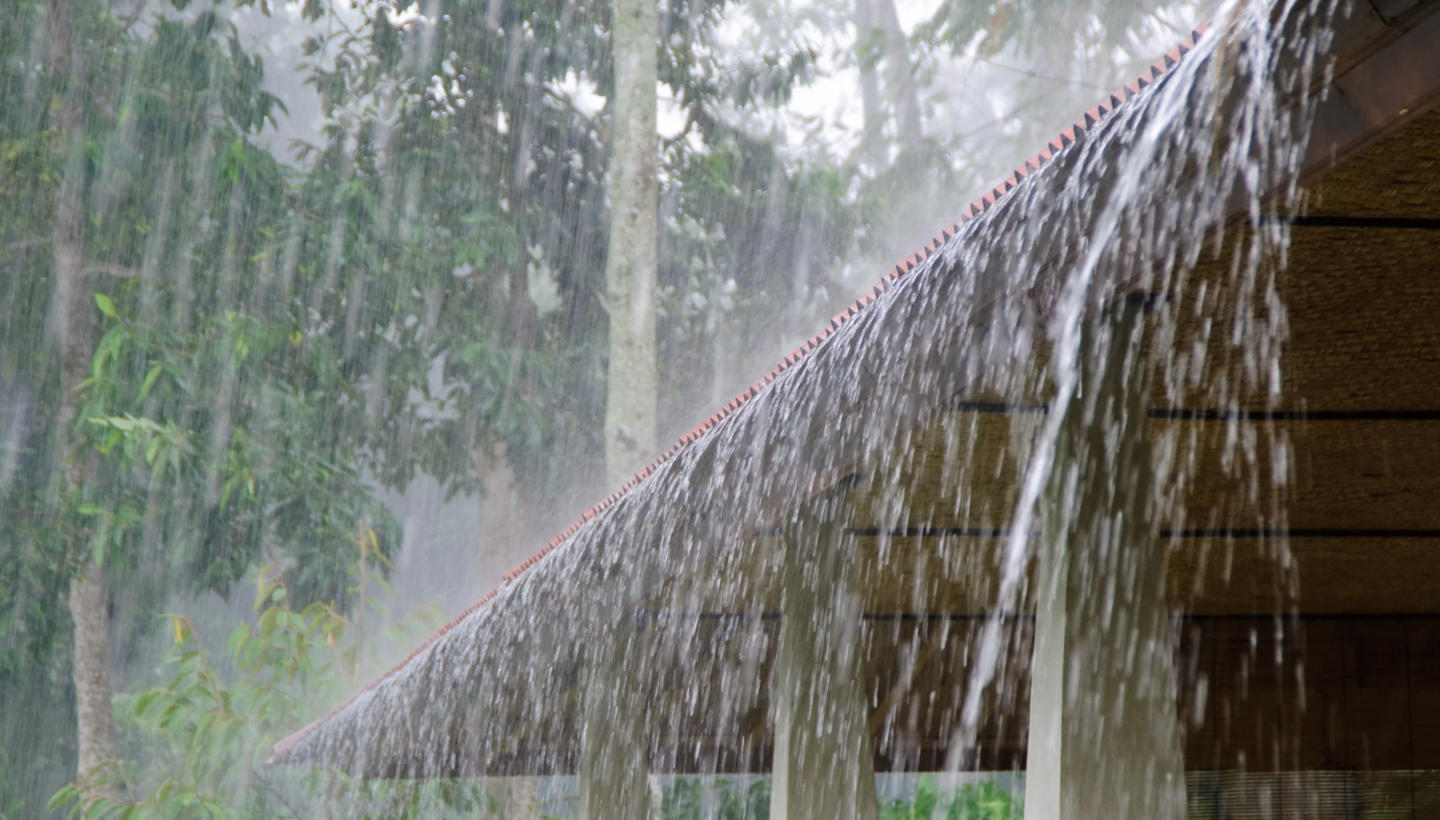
point(1128, 209)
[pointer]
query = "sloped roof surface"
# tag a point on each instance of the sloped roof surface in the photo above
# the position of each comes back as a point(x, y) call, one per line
point(1387, 71)
point(1069, 136)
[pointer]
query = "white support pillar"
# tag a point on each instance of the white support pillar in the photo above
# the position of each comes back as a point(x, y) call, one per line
point(1104, 734)
point(518, 796)
point(824, 764)
point(614, 751)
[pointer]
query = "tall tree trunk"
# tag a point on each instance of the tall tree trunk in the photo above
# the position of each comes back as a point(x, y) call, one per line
point(72, 318)
point(879, 40)
point(613, 756)
point(899, 75)
point(630, 265)
point(872, 135)
point(95, 729)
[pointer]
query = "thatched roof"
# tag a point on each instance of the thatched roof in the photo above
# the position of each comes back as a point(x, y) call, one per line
point(902, 386)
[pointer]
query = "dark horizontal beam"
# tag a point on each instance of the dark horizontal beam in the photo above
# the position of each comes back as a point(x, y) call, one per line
point(1287, 615)
point(930, 532)
point(1207, 532)
point(1365, 222)
point(1000, 408)
point(1214, 532)
point(1314, 532)
point(1180, 413)
point(1216, 414)
point(657, 615)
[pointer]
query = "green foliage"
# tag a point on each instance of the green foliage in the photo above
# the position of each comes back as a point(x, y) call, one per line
point(202, 735)
point(208, 728)
point(994, 25)
point(749, 236)
point(972, 801)
point(469, 170)
point(419, 292)
point(225, 413)
point(692, 799)
point(205, 423)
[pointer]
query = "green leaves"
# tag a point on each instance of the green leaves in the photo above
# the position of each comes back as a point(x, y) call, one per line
point(210, 732)
point(106, 306)
point(110, 527)
point(488, 241)
point(385, 40)
point(420, 294)
point(162, 443)
point(687, 799)
point(972, 801)
point(691, 799)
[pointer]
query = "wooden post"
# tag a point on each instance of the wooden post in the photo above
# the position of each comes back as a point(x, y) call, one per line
point(824, 764)
point(1104, 735)
point(614, 749)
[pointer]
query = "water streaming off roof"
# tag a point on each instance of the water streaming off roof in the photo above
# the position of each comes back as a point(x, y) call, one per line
point(1116, 499)
point(927, 424)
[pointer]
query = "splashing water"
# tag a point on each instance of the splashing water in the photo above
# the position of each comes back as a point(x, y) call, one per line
point(666, 602)
point(1189, 156)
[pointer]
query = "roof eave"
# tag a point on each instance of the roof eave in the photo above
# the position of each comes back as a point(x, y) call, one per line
point(1404, 50)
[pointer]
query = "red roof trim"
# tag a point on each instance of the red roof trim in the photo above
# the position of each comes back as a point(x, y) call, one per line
point(1067, 137)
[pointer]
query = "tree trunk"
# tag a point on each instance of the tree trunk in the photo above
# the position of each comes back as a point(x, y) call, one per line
point(899, 75)
point(630, 265)
point(878, 39)
point(872, 135)
point(95, 736)
point(72, 318)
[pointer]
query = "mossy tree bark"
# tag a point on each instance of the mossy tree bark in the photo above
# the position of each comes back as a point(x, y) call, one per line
point(72, 317)
point(631, 262)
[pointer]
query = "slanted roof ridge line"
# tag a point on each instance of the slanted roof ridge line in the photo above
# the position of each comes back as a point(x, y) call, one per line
point(1069, 136)
point(907, 265)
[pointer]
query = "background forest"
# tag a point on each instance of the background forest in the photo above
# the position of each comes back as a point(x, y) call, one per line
point(306, 334)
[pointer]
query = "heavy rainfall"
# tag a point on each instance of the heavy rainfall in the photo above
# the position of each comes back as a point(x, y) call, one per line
point(391, 425)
